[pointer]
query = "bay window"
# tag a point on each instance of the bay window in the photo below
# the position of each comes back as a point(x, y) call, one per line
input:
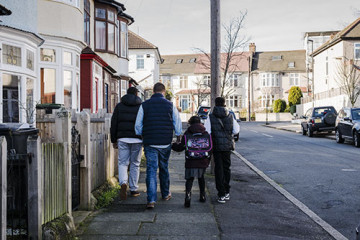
point(233, 101)
point(87, 21)
point(184, 102)
point(267, 100)
point(269, 80)
point(183, 82)
point(105, 29)
point(124, 40)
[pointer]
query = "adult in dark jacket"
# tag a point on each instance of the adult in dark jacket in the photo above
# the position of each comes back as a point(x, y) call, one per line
point(123, 137)
point(222, 126)
point(156, 121)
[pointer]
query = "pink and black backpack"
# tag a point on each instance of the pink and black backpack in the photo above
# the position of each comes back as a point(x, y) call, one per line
point(198, 145)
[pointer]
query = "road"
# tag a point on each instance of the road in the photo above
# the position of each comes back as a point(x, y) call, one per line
point(317, 171)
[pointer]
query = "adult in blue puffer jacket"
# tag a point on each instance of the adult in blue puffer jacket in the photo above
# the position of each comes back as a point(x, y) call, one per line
point(156, 121)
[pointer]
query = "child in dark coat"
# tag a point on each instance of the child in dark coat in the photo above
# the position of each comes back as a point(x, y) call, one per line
point(194, 168)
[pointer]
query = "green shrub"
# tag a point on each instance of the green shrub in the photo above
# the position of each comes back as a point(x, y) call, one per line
point(293, 109)
point(287, 109)
point(295, 95)
point(279, 105)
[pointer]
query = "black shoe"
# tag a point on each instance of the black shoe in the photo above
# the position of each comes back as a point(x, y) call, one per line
point(202, 197)
point(187, 199)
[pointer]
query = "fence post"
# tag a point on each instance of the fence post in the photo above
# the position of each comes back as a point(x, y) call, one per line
point(83, 126)
point(109, 150)
point(63, 135)
point(3, 183)
point(35, 198)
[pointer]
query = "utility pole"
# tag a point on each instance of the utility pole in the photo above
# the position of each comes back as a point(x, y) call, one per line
point(249, 85)
point(215, 50)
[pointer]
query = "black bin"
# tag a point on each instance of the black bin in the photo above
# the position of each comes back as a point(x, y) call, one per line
point(16, 135)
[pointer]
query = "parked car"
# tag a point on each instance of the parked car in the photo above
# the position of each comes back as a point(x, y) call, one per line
point(236, 136)
point(319, 119)
point(347, 126)
point(203, 113)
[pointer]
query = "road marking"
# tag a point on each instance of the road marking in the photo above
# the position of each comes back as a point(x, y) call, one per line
point(327, 227)
point(267, 135)
point(348, 170)
point(254, 131)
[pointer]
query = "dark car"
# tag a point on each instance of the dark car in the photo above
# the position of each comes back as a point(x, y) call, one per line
point(319, 119)
point(236, 136)
point(348, 125)
point(203, 113)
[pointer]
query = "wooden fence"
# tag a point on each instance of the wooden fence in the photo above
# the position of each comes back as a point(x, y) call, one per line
point(54, 183)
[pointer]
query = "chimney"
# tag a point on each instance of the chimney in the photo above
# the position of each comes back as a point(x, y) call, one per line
point(252, 48)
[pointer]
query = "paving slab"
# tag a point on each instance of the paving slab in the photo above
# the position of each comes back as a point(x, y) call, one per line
point(178, 229)
point(115, 228)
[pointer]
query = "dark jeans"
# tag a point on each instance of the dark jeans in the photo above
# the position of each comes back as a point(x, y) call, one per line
point(222, 172)
point(189, 184)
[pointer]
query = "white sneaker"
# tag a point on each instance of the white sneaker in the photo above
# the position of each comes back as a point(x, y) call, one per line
point(227, 196)
point(221, 199)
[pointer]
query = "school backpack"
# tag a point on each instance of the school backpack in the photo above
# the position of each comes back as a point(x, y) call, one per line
point(198, 145)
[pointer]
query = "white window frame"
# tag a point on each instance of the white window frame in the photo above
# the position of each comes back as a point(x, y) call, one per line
point(185, 97)
point(184, 82)
point(356, 48)
point(294, 79)
point(142, 59)
point(269, 80)
point(265, 98)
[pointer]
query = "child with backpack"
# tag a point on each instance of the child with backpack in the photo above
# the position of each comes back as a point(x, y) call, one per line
point(197, 144)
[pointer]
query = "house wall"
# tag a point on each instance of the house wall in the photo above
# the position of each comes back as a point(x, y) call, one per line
point(151, 67)
point(60, 19)
point(280, 92)
point(325, 82)
point(23, 16)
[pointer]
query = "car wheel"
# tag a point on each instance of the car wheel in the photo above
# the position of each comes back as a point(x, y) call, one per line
point(339, 138)
point(236, 137)
point(303, 130)
point(356, 139)
point(309, 132)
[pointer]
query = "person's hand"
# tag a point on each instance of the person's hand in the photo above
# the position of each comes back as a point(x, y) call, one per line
point(178, 140)
point(115, 145)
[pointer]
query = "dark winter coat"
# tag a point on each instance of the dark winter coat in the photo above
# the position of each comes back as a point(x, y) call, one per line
point(124, 117)
point(158, 127)
point(195, 163)
point(221, 134)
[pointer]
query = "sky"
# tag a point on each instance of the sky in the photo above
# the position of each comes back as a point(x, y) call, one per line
point(179, 26)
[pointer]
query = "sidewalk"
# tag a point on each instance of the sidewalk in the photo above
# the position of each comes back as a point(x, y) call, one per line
point(256, 211)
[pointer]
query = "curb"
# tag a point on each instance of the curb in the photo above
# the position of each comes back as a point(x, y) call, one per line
point(327, 227)
point(295, 131)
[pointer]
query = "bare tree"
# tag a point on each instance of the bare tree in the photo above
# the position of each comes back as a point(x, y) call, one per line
point(232, 52)
point(202, 90)
point(348, 79)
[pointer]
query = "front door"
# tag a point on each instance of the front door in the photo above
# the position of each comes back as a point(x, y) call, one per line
point(10, 105)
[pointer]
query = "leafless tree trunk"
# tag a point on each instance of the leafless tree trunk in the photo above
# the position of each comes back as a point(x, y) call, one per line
point(348, 79)
point(232, 52)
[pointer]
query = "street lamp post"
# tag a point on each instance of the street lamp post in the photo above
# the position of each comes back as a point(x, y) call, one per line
point(312, 71)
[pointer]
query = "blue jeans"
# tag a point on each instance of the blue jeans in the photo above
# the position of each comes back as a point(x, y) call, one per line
point(157, 157)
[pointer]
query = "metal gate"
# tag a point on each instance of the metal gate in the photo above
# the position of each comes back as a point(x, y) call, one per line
point(76, 158)
point(17, 208)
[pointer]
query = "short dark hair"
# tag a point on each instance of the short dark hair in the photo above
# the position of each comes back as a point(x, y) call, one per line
point(159, 87)
point(132, 90)
point(220, 102)
point(194, 119)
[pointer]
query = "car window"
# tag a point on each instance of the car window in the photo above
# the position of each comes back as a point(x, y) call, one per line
point(356, 114)
point(320, 112)
point(204, 110)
